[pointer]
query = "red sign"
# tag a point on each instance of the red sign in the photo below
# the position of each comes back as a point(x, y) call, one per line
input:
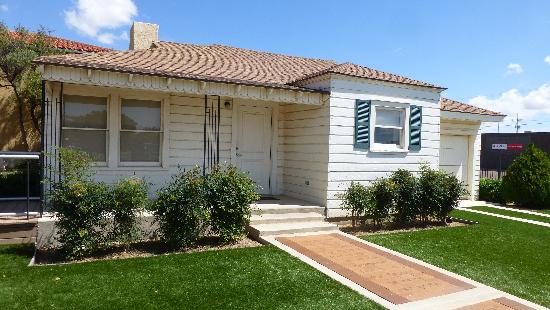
point(515, 146)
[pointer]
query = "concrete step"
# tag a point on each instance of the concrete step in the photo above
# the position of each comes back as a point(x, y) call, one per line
point(261, 230)
point(280, 209)
point(17, 240)
point(272, 218)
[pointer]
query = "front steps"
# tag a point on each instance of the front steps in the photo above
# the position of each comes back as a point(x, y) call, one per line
point(287, 216)
point(14, 230)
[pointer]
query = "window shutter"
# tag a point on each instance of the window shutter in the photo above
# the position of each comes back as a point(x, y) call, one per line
point(362, 124)
point(415, 128)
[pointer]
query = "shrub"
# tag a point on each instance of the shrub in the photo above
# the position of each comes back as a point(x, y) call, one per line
point(129, 196)
point(380, 200)
point(229, 193)
point(491, 190)
point(355, 199)
point(179, 209)
point(527, 180)
point(405, 196)
point(80, 206)
point(438, 193)
point(13, 183)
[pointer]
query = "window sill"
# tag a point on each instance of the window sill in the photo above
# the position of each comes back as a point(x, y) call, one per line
point(388, 150)
point(133, 168)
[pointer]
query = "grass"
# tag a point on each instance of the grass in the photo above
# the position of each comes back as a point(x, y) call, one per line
point(513, 214)
point(508, 255)
point(251, 278)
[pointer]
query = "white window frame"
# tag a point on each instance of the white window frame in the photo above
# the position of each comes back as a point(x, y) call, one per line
point(390, 148)
point(162, 132)
point(106, 130)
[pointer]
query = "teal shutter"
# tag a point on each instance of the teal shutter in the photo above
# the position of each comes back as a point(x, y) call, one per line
point(362, 124)
point(415, 128)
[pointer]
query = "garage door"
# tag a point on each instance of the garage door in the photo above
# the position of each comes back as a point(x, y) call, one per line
point(453, 156)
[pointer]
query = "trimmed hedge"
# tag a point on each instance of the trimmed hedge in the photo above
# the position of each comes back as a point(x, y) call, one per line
point(491, 190)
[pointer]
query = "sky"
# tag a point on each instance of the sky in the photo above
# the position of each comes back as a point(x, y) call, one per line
point(493, 53)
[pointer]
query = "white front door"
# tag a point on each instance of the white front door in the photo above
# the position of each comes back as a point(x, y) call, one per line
point(252, 134)
point(454, 156)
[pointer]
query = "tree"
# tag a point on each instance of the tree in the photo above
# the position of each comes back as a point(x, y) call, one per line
point(527, 180)
point(17, 50)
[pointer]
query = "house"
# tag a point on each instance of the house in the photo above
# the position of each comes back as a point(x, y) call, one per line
point(301, 127)
point(10, 135)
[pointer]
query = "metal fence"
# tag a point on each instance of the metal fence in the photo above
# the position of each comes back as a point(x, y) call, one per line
point(492, 174)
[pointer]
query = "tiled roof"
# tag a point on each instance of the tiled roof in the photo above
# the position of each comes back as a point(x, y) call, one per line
point(70, 45)
point(354, 70)
point(222, 64)
point(455, 106)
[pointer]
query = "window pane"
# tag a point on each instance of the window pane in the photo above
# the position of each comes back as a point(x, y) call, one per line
point(140, 146)
point(84, 112)
point(389, 117)
point(92, 142)
point(387, 136)
point(140, 114)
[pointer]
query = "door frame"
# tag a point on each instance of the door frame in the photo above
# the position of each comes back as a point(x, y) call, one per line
point(470, 160)
point(273, 169)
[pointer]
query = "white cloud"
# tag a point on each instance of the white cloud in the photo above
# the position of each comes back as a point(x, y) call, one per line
point(547, 59)
point(98, 18)
point(514, 69)
point(4, 8)
point(528, 106)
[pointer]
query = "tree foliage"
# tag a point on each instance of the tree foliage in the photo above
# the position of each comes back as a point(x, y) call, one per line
point(17, 72)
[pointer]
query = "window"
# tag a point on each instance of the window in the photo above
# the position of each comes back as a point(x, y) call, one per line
point(140, 131)
point(389, 127)
point(85, 125)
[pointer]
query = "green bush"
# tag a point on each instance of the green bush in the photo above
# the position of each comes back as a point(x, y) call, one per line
point(13, 183)
point(79, 204)
point(129, 197)
point(527, 180)
point(356, 200)
point(438, 193)
point(180, 209)
point(491, 190)
point(405, 208)
point(229, 193)
point(380, 200)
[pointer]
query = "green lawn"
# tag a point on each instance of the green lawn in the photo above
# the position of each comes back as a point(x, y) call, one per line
point(511, 256)
point(513, 214)
point(251, 278)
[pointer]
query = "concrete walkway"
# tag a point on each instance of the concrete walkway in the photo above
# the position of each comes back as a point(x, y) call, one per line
point(394, 280)
point(466, 206)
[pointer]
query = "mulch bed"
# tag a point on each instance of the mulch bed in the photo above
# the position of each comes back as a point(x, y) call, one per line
point(141, 249)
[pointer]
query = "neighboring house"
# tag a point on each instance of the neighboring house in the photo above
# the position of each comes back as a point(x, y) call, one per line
point(302, 127)
point(10, 135)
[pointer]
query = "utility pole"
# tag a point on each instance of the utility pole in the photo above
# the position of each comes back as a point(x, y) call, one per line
point(517, 123)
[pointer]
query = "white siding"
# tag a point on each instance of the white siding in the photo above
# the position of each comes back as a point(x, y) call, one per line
point(345, 163)
point(303, 152)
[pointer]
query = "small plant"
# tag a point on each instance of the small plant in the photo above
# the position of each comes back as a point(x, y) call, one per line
point(129, 197)
point(79, 204)
point(179, 209)
point(380, 200)
point(405, 196)
point(438, 193)
point(229, 193)
point(355, 199)
point(491, 190)
point(527, 180)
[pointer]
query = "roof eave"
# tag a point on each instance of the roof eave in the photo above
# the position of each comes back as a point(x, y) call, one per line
point(193, 78)
point(466, 116)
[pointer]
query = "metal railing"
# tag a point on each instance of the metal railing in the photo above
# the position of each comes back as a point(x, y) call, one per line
point(27, 157)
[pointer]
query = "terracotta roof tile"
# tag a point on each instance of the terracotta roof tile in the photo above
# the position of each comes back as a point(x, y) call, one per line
point(222, 63)
point(455, 106)
point(69, 45)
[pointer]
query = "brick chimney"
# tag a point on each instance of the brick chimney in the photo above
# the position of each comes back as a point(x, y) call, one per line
point(142, 35)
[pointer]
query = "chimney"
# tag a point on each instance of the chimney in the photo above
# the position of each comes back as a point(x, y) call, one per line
point(142, 35)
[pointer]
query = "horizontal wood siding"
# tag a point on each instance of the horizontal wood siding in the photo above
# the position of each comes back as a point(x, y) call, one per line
point(303, 152)
point(347, 164)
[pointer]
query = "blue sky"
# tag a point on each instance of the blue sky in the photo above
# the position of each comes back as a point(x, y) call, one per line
point(489, 53)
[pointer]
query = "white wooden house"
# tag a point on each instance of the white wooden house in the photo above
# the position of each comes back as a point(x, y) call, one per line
point(301, 127)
